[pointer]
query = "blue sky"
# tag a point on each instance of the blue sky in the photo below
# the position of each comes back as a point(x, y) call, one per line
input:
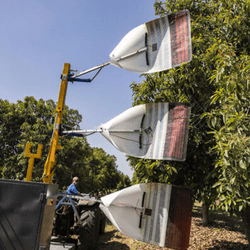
point(38, 36)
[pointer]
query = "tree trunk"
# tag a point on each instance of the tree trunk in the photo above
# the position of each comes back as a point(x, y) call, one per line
point(246, 220)
point(205, 216)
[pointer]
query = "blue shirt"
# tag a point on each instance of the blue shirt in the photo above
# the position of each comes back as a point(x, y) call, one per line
point(72, 189)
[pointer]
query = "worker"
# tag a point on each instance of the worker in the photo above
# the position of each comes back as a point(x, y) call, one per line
point(72, 187)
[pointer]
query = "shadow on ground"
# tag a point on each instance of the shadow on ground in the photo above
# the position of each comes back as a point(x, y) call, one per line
point(221, 220)
point(226, 245)
point(105, 242)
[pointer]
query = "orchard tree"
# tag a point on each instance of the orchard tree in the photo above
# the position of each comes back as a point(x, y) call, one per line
point(99, 173)
point(29, 121)
point(216, 84)
point(230, 120)
point(108, 177)
point(32, 121)
point(9, 132)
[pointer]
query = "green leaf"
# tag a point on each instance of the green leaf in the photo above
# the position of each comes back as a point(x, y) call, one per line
point(175, 170)
point(242, 164)
point(232, 180)
point(216, 184)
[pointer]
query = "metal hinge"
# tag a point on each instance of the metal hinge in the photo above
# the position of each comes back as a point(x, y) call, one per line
point(42, 196)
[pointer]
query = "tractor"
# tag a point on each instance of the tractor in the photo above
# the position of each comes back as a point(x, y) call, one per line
point(78, 219)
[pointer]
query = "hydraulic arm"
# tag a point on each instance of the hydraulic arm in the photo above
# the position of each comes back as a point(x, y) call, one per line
point(51, 159)
point(50, 163)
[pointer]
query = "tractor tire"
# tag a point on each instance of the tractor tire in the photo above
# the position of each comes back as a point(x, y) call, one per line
point(89, 228)
point(102, 223)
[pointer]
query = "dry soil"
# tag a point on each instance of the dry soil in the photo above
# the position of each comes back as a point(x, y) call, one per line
point(224, 233)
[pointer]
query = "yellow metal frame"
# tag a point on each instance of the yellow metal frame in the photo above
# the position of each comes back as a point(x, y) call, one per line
point(32, 157)
point(51, 159)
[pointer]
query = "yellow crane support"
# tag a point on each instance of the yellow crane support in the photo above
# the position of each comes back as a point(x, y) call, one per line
point(32, 157)
point(51, 159)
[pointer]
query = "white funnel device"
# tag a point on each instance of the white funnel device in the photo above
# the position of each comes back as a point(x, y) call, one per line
point(155, 213)
point(155, 46)
point(151, 131)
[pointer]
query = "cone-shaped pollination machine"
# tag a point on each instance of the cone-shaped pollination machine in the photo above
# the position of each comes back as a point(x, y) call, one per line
point(155, 213)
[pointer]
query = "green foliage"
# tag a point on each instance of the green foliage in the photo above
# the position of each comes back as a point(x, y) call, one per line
point(25, 121)
point(216, 83)
point(32, 121)
point(232, 130)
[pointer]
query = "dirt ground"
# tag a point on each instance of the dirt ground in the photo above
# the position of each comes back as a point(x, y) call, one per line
point(226, 232)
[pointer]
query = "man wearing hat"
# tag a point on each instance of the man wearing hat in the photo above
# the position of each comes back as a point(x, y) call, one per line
point(72, 187)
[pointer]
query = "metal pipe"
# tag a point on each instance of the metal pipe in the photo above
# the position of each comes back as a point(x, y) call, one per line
point(82, 131)
point(85, 198)
point(107, 63)
point(90, 70)
point(132, 54)
point(125, 131)
point(126, 206)
point(101, 130)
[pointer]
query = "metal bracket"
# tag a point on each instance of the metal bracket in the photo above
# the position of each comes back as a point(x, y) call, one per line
point(42, 196)
point(63, 77)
